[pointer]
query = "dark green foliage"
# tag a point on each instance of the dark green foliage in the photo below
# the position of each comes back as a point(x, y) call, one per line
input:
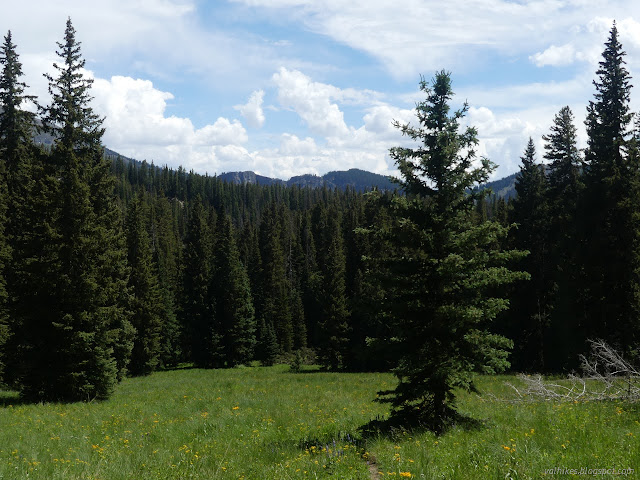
point(5, 255)
point(275, 301)
point(299, 322)
point(610, 209)
point(16, 127)
point(531, 300)
point(370, 327)
point(335, 314)
point(69, 117)
point(198, 307)
point(73, 333)
point(267, 348)
point(442, 267)
point(166, 259)
point(565, 188)
point(146, 300)
point(234, 305)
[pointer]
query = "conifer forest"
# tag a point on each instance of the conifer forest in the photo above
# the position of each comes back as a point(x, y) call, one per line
point(113, 268)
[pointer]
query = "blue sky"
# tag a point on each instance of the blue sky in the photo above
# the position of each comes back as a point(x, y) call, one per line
point(286, 87)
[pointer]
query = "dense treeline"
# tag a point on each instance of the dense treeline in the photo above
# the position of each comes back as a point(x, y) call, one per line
point(578, 214)
point(116, 268)
point(112, 267)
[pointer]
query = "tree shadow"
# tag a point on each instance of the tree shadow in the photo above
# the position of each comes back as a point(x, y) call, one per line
point(9, 398)
point(12, 398)
point(400, 424)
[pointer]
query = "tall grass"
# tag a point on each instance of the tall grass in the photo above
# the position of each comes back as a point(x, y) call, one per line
point(269, 423)
point(242, 423)
point(526, 440)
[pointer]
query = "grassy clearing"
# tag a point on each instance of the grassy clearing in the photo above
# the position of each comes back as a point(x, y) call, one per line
point(267, 423)
point(242, 423)
point(519, 441)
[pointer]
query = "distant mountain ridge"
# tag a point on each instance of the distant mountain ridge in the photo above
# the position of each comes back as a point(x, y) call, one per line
point(504, 187)
point(355, 178)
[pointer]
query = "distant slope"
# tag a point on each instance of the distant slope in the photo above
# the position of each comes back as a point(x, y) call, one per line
point(355, 178)
point(503, 188)
point(359, 180)
point(248, 177)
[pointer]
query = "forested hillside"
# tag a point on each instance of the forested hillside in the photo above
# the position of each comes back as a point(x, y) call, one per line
point(113, 268)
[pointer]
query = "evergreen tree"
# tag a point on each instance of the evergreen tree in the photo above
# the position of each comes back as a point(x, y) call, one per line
point(310, 279)
point(76, 279)
point(565, 188)
point(16, 126)
point(440, 273)
point(531, 300)
point(198, 307)
point(335, 313)
point(146, 301)
point(166, 245)
point(610, 226)
point(275, 302)
point(267, 347)
point(370, 327)
point(4, 259)
point(299, 320)
point(234, 306)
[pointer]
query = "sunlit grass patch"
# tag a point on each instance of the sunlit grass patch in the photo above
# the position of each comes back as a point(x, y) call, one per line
point(517, 440)
point(245, 422)
point(257, 423)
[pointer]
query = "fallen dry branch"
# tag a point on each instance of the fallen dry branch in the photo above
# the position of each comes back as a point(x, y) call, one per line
point(606, 376)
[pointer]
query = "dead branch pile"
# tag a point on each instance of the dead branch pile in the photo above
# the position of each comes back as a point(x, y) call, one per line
point(606, 376)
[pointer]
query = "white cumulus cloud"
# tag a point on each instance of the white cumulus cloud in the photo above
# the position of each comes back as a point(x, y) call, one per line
point(136, 125)
point(292, 145)
point(252, 110)
point(312, 101)
point(556, 56)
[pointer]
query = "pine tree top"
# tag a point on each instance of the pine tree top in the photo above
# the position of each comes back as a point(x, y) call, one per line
point(444, 160)
point(70, 116)
point(15, 124)
point(609, 115)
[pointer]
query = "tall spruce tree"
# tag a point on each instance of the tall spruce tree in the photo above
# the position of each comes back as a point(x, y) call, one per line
point(198, 302)
point(276, 300)
point(335, 313)
point(4, 260)
point(234, 305)
point(166, 247)
point(16, 129)
point(146, 301)
point(565, 189)
point(442, 268)
point(77, 337)
point(16, 148)
point(610, 227)
point(531, 300)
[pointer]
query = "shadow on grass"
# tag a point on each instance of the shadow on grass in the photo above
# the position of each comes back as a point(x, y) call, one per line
point(12, 398)
point(402, 423)
point(180, 366)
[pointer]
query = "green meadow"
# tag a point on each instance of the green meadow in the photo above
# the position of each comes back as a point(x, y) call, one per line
point(270, 423)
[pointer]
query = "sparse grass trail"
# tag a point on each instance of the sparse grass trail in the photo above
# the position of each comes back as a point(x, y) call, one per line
point(267, 423)
point(373, 468)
